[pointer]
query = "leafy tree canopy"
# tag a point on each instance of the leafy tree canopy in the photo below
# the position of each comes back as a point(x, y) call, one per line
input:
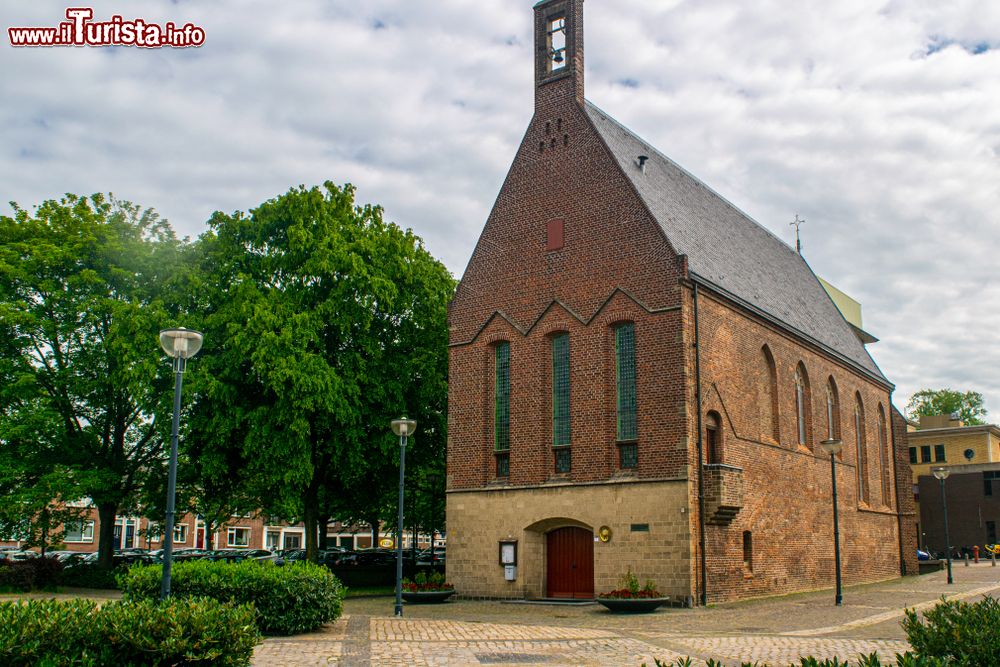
point(968, 405)
point(82, 296)
point(325, 322)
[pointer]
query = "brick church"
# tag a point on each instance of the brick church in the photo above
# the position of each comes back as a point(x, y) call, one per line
point(641, 376)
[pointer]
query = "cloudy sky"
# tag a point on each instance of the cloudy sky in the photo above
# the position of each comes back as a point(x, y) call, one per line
point(877, 122)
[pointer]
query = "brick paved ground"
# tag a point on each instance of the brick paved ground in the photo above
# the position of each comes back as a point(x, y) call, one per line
point(775, 630)
point(464, 632)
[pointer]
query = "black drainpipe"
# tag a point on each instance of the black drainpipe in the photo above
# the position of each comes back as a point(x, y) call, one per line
point(701, 469)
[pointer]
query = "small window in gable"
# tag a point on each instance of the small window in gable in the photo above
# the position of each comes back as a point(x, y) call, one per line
point(554, 235)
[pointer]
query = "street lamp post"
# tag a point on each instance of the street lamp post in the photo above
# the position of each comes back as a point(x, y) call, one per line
point(403, 428)
point(832, 447)
point(942, 474)
point(180, 345)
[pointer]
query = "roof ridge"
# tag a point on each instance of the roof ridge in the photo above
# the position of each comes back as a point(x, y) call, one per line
point(726, 247)
point(694, 178)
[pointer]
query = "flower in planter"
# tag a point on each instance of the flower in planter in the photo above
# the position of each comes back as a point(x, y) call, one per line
point(423, 583)
point(630, 590)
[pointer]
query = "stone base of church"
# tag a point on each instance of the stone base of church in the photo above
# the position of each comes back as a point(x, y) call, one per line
point(648, 524)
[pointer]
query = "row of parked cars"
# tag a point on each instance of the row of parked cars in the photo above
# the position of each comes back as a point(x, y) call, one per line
point(334, 557)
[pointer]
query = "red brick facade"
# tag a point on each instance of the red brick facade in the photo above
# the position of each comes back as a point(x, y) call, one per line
point(787, 500)
point(615, 264)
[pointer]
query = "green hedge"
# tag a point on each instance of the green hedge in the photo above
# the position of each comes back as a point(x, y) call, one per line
point(965, 634)
point(90, 575)
point(290, 599)
point(78, 632)
point(951, 634)
point(30, 574)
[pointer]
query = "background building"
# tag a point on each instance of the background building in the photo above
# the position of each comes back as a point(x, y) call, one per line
point(972, 453)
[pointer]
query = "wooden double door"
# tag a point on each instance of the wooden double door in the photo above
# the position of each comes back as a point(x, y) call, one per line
point(570, 563)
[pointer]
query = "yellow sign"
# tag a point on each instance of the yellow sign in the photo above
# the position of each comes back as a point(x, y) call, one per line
point(385, 543)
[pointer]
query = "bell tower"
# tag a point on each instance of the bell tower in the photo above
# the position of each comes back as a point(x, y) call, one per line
point(558, 52)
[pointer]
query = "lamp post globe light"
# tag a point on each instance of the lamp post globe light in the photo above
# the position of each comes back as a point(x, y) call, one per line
point(403, 428)
point(180, 345)
point(833, 447)
point(942, 474)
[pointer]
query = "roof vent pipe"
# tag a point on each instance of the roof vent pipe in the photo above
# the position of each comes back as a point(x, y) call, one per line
point(642, 163)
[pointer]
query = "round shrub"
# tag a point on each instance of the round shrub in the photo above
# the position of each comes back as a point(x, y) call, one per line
point(288, 600)
point(175, 632)
point(964, 634)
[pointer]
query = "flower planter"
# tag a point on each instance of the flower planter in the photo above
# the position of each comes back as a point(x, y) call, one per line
point(428, 597)
point(632, 605)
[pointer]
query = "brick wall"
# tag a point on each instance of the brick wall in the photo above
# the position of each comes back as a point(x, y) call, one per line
point(615, 265)
point(787, 504)
point(969, 508)
point(908, 514)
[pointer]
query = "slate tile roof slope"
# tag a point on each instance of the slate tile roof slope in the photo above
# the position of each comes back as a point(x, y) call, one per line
point(729, 250)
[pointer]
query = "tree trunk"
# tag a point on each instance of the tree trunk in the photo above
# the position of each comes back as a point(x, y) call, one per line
point(324, 522)
point(310, 519)
point(105, 548)
point(45, 531)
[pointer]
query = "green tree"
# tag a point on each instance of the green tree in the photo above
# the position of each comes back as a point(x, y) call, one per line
point(326, 323)
point(82, 284)
point(968, 405)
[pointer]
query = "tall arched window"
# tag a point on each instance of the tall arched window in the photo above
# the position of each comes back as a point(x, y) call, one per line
point(803, 404)
point(883, 451)
point(560, 403)
point(713, 438)
point(501, 408)
point(628, 452)
point(832, 410)
point(861, 445)
point(769, 397)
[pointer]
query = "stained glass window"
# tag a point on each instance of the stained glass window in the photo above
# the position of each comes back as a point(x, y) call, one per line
point(501, 433)
point(625, 372)
point(560, 390)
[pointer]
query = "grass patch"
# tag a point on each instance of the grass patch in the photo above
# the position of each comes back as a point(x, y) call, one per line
point(371, 592)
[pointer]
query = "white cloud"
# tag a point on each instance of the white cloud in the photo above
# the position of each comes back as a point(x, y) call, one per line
point(877, 122)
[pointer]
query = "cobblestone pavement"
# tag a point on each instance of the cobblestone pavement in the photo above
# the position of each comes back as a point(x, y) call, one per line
point(774, 630)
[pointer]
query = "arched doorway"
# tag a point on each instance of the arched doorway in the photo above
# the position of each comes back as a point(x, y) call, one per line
point(570, 563)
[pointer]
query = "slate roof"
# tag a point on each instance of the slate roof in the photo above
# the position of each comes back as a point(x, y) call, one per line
point(729, 251)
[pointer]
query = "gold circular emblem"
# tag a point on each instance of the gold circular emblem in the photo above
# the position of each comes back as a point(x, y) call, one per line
point(604, 533)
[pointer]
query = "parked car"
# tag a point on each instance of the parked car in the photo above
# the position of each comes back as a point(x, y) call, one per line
point(290, 555)
point(17, 556)
point(66, 557)
point(237, 555)
point(374, 557)
point(424, 557)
